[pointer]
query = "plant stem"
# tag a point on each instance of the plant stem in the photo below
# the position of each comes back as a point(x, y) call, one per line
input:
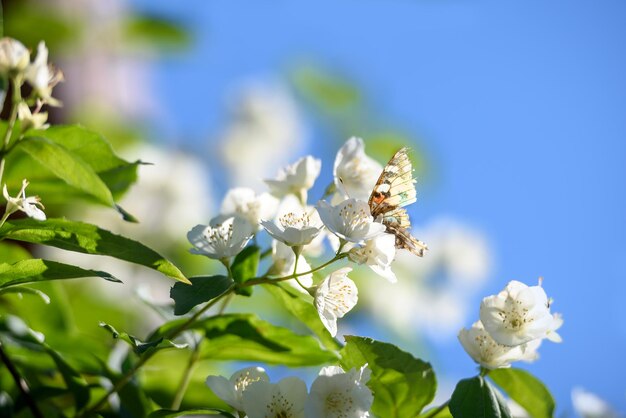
point(15, 101)
point(20, 383)
point(142, 360)
point(264, 280)
point(434, 412)
point(191, 365)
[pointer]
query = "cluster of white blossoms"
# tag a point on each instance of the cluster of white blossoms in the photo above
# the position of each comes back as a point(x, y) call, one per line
point(299, 230)
point(334, 393)
point(512, 326)
point(15, 65)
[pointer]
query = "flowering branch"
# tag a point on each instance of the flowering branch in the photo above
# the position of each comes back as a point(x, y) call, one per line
point(265, 280)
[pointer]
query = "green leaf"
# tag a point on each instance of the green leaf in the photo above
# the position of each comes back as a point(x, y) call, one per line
point(38, 270)
point(476, 398)
point(304, 311)
point(68, 166)
point(154, 31)
point(19, 331)
point(526, 390)
point(168, 413)
point(402, 384)
point(116, 173)
point(329, 92)
point(245, 266)
point(202, 289)
point(11, 253)
point(20, 290)
point(444, 413)
point(246, 337)
point(89, 239)
point(138, 346)
point(75, 383)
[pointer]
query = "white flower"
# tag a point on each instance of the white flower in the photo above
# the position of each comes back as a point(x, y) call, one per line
point(284, 259)
point(334, 297)
point(294, 229)
point(518, 314)
point(231, 390)
point(296, 178)
point(354, 172)
point(42, 77)
point(246, 203)
point(284, 399)
point(222, 238)
point(377, 253)
point(350, 220)
point(589, 405)
point(13, 56)
point(31, 120)
point(29, 205)
point(485, 350)
point(339, 394)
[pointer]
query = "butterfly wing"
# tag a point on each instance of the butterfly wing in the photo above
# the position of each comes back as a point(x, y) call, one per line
point(398, 223)
point(395, 186)
point(394, 189)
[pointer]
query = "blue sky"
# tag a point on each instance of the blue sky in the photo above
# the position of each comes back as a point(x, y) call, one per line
point(520, 106)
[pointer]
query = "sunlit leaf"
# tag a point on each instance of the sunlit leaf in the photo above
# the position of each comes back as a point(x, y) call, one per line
point(526, 390)
point(68, 166)
point(11, 253)
point(38, 270)
point(246, 337)
point(402, 384)
point(304, 311)
point(89, 239)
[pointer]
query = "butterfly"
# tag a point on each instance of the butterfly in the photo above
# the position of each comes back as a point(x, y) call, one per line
point(395, 189)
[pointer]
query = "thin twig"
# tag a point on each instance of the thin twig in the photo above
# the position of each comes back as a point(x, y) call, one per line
point(265, 280)
point(182, 388)
point(20, 383)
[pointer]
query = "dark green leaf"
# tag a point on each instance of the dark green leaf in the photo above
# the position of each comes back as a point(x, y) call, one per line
point(89, 239)
point(304, 311)
point(38, 270)
point(402, 384)
point(168, 413)
point(246, 337)
point(68, 166)
point(476, 398)
point(202, 289)
point(526, 390)
point(245, 266)
point(138, 346)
